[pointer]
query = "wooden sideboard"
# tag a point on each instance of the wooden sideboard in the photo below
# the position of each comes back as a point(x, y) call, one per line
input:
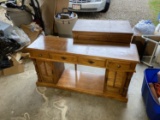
point(49, 54)
point(113, 32)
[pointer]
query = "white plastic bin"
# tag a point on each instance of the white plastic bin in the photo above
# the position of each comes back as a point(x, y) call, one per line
point(64, 26)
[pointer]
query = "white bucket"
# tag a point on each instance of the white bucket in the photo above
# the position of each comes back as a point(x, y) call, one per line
point(64, 26)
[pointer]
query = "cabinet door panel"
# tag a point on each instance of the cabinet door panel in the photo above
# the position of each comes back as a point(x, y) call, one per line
point(116, 79)
point(49, 72)
point(120, 79)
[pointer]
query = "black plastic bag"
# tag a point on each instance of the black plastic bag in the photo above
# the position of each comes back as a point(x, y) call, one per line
point(5, 62)
point(8, 46)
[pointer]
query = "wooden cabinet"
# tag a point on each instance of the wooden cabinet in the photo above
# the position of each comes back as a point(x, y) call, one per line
point(50, 53)
point(113, 32)
point(47, 71)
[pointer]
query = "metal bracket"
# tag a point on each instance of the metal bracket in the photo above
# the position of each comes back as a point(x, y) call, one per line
point(147, 39)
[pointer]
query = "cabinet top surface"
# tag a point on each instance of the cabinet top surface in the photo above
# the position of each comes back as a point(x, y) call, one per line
point(54, 44)
point(106, 26)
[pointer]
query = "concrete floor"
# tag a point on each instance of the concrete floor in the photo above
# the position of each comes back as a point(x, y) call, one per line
point(20, 99)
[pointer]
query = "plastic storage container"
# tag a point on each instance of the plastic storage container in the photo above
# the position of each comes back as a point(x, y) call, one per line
point(152, 107)
point(64, 23)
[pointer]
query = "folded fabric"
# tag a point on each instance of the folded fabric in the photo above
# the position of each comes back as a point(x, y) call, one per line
point(153, 91)
point(157, 88)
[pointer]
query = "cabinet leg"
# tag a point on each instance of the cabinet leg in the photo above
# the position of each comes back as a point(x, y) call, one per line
point(128, 79)
point(75, 67)
point(105, 80)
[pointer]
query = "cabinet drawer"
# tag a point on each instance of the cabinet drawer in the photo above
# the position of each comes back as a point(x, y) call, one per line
point(91, 62)
point(64, 58)
point(119, 65)
point(39, 54)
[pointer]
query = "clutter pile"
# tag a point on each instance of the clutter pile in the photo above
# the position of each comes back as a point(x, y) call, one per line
point(150, 34)
point(19, 13)
point(144, 27)
point(12, 40)
point(27, 25)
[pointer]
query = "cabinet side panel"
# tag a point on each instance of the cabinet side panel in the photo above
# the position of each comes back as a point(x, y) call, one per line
point(117, 82)
point(48, 71)
point(37, 70)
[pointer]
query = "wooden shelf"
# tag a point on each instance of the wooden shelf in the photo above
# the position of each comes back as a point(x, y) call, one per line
point(83, 82)
point(80, 81)
point(49, 54)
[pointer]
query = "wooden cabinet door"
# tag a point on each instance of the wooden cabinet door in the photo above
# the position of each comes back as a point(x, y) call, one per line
point(117, 81)
point(118, 76)
point(49, 72)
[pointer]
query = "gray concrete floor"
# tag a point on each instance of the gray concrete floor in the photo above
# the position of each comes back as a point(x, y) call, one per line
point(20, 99)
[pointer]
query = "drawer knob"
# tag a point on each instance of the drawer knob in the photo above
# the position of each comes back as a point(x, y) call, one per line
point(63, 58)
point(40, 55)
point(118, 66)
point(91, 62)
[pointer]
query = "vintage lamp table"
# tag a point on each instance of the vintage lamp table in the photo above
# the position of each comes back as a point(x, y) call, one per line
point(49, 54)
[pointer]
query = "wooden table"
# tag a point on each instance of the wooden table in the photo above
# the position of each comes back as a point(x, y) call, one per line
point(113, 32)
point(50, 53)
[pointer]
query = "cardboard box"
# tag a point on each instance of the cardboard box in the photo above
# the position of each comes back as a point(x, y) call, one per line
point(140, 43)
point(15, 69)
